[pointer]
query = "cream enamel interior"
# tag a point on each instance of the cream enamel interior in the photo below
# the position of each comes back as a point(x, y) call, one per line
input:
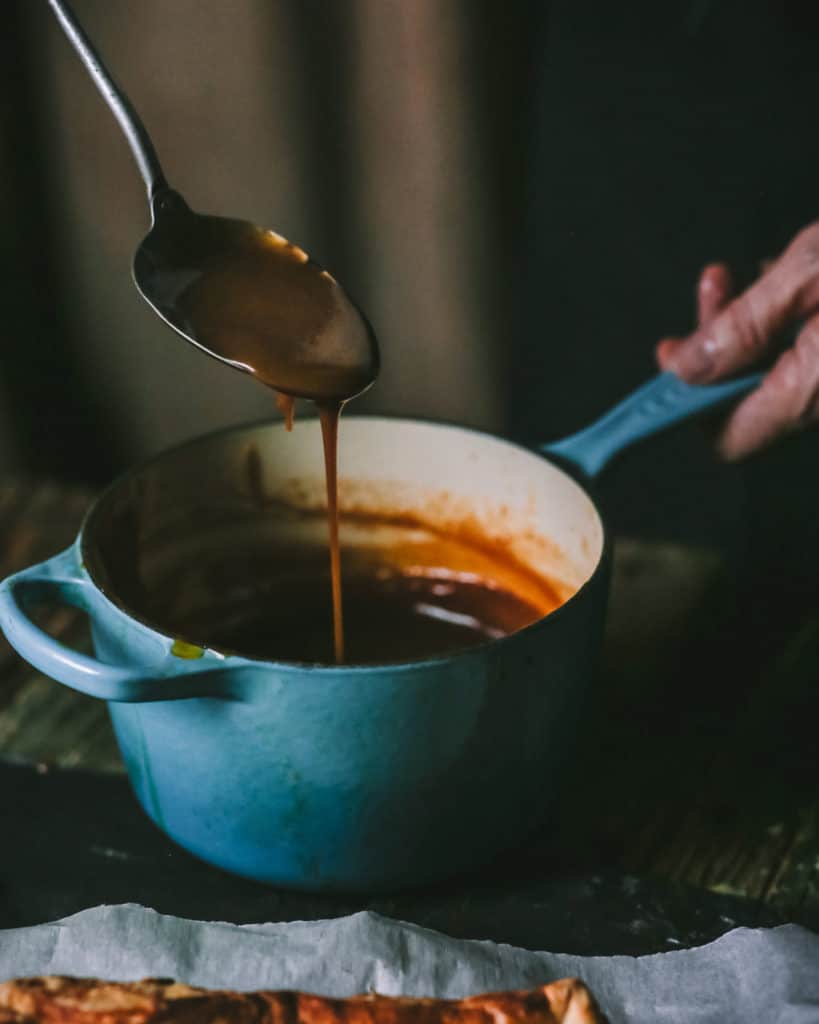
point(450, 476)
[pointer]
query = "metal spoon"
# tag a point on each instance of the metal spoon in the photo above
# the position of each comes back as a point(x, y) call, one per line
point(244, 295)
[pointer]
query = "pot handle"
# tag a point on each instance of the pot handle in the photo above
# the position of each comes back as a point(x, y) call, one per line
point(60, 580)
point(660, 403)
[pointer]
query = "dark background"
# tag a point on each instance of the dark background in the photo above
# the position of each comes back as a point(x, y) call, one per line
point(521, 195)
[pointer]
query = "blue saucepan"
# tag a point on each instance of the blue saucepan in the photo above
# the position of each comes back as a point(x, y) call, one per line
point(346, 778)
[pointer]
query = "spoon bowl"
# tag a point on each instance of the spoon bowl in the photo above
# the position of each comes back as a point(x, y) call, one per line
point(242, 294)
point(253, 300)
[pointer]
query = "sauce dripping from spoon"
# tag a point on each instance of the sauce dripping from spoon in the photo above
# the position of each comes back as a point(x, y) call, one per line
point(286, 405)
point(251, 299)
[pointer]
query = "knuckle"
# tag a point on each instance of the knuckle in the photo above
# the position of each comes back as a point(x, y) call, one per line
point(742, 326)
point(793, 383)
point(807, 345)
point(800, 262)
point(806, 242)
point(808, 410)
point(784, 378)
point(807, 356)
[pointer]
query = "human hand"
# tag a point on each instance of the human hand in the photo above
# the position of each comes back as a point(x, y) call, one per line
point(734, 333)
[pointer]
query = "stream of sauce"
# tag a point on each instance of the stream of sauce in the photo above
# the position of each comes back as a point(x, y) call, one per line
point(329, 414)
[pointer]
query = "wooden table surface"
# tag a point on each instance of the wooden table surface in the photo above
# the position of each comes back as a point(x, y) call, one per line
point(694, 802)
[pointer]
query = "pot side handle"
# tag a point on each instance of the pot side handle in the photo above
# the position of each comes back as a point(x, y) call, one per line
point(60, 581)
point(660, 403)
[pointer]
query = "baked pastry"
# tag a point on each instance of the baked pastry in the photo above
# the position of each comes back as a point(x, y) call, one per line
point(58, 1000)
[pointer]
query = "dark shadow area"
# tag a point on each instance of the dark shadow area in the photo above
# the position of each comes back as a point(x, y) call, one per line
point(110, 853)
point(57, 422)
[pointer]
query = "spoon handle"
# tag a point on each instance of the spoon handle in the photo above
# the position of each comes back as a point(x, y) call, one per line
point(129, 120)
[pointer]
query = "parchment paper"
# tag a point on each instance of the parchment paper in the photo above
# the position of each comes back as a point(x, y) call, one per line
point(748, 975)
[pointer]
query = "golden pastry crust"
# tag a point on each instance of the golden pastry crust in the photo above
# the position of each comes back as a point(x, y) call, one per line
point(58, 1000)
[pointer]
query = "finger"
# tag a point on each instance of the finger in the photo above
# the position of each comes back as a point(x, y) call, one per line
point(665, 349)
point(747, 328)
point(786, 401)
point(738, 336)
point(714, 288)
